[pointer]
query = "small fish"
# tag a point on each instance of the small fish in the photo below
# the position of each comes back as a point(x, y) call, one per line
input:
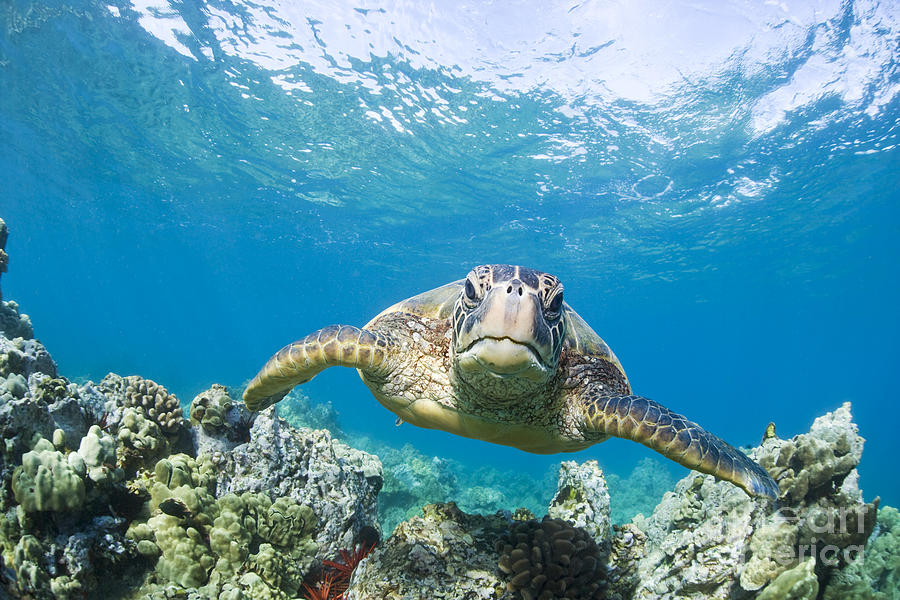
point(175, 508)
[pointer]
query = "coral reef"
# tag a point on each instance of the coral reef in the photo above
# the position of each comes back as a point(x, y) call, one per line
point(797, 583)
point(91, 485)
point(552, 559)
point(339, 483)
point(447, 553)
point(219, 423)
point(875, 572)
point(708, 540)
point(444, 554)
point(155, 401)
point(47, 480)
point(413, 479)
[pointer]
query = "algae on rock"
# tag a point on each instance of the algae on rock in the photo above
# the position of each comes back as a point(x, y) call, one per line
point(444, 554)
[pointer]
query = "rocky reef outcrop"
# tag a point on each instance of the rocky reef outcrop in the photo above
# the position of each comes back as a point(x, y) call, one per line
point(246, 507)
point(706, 539)
point(709, 540)
point(109, 477)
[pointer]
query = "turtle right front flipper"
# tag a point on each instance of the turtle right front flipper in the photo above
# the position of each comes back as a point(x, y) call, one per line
point(671, 434)
point(296, 363)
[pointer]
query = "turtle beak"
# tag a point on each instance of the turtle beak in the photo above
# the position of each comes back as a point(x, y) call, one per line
point(506, 337)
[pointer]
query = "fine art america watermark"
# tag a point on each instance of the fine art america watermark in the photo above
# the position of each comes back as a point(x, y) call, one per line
point(842, 522)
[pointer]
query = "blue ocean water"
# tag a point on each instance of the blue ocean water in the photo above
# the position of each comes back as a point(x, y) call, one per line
point(191, 185)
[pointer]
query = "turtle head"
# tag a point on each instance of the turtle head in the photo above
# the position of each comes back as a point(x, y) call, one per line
point(508, 329)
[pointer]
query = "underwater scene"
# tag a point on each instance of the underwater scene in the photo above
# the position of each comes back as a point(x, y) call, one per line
point(610, 290)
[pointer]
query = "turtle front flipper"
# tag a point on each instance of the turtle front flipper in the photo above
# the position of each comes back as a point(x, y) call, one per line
point(296, 363)
point(645, 421)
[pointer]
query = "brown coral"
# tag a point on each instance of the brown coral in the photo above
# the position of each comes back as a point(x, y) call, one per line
point(552, 559)
point(208, 409)
point(155, 402)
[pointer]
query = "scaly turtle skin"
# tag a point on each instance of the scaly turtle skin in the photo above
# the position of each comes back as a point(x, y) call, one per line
point(500, 357)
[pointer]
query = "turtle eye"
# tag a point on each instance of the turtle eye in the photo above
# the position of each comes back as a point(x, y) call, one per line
point(471, 296)
point(555, 304)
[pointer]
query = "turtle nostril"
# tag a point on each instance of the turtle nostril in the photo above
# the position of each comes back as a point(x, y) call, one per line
point(509, 290)
point(520, 291)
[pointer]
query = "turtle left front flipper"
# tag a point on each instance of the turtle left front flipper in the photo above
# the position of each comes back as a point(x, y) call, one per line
point(671, 434)
point(296, 363)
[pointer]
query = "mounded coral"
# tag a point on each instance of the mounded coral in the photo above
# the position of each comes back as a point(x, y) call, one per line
point(14, 323)
point(219, 424)
point(97, 451)
point(140, 441)
point(209, 409)
point(24, 356)
point(814, 463)
point(797, 583)
point(47, 480)
point(205, 542)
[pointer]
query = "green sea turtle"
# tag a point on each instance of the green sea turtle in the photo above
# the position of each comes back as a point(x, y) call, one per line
point(499, 356)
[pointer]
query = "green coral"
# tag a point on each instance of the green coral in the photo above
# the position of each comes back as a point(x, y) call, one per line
point(278, 569)
point(180, 469)
point(98, 451)
point(207, 543)
point(767, 548)
point(286, 523)
point(66, 588)
point(180, 539)
point(140, 440)
point(50, 389)
point(799, 583)
point(186, 559)
point(47, 480)
point(209, 408)
point(233, 531)
point(155, 402)
point(27, 558)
